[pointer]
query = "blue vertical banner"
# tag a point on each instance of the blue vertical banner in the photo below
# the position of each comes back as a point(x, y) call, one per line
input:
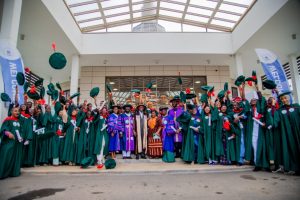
point(273, 69)
point(11, 63)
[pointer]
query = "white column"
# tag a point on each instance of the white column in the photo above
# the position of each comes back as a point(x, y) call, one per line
point(74, 76)
point(11, 20)
point(295, 77)
point(9, 31)
point(236, 69)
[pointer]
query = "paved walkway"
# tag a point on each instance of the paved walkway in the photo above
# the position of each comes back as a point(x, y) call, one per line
point(139, 166)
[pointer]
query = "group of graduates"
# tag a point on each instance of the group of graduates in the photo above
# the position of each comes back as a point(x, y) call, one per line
point(214, 130)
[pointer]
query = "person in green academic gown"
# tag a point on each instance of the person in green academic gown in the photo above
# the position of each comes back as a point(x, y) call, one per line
point(26, 126)
point(102, 138)
point(288, 124)
point(11, 146)
point(72, 131)
point(207, 129)
point(58, 138)
point(239, 113)
point(225, 137)
point(273, 140)
point(45, 139)
point(87, 137)
point(255, 147)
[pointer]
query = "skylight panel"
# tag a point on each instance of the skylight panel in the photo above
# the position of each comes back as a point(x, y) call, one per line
point(106, 4)
point(222, 23)
point(116, 10)
point(118, 18)
point(170, 13)
point(232, 8)
point(199, 11)
point(196, 18)
point(204, 3)
point(172, 6)
point(227, 16)
point(84, 8)
point(88, 16)
point(91, 23)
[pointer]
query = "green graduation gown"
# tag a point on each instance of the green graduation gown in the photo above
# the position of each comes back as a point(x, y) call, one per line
point(45, 140)
point(220, 134)
point(28, 151)
point(289, 126)
point(100, 135)
point(57, 141)
point(184, 121)
point(261, 154)
point(10, 150)
point(207, 129)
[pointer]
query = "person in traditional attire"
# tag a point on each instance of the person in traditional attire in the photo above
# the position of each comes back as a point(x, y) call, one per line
point(168, 141)
point(112, 129)
point(126, 130)
point(289, 127)
point(11, 145)
point(175, 112)
point(154, 135)
point(255, 147)
point(141, 131)
point(102, 139)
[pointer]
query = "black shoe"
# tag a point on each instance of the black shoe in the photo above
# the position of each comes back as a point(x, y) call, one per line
point(239, 164)
point(124, 157)
point(144, 156)
point(256, 169)
point(137, 157)
point(129, 157)
point(268, 170)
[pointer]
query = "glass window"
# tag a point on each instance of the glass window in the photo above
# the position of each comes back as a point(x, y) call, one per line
point(106, 4)
point(117, 18)
point(163, 88)
point(116, 10)
point(227, 13)
point(232, 8)
point(204, 3)
point(199, 11)
point(170, 13)
point(197, 18)
point(172, 6)
point(88, 16)
point(222, 23)
point(227, 16)
point(84, 8)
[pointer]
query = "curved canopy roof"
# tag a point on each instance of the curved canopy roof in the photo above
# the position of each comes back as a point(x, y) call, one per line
point(94, 16)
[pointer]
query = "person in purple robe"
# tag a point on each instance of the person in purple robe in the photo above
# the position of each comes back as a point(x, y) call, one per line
point(112, 129)
point(174, 113)
point(126, 131)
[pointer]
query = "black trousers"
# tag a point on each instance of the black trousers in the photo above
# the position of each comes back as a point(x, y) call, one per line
point(178, 146)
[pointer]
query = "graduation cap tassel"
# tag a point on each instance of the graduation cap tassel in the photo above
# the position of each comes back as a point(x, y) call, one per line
point(54, 46)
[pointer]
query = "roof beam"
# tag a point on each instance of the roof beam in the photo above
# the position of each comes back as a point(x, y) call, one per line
point(130, 10)
point(102, 13)
point(81, 4)
point(214, 12)
point(185, 10)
